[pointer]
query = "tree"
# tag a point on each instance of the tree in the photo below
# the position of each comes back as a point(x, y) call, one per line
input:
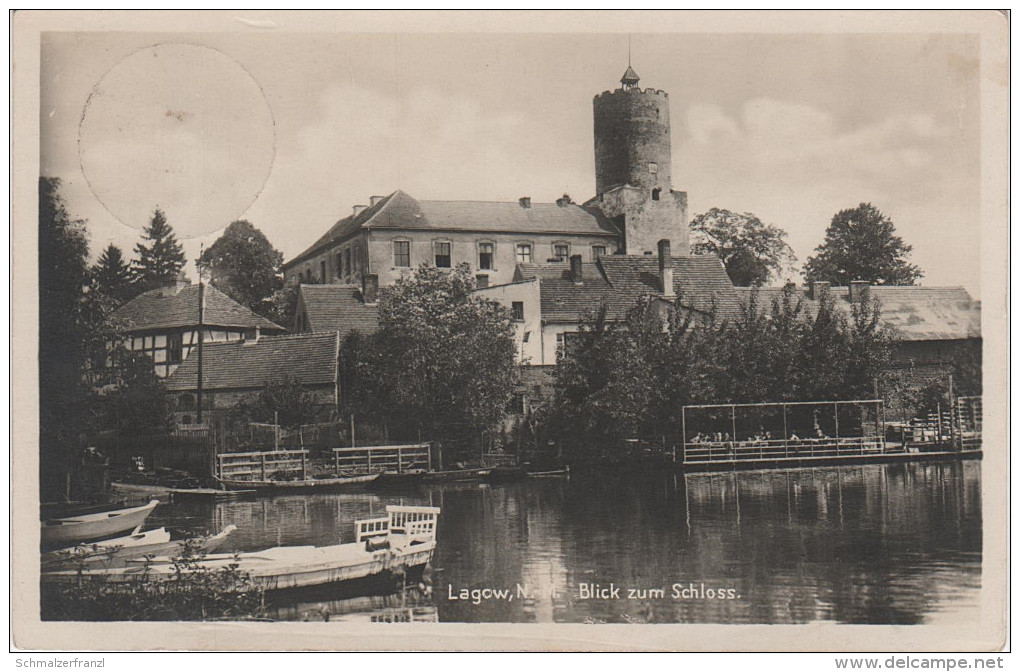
point(63, 275)
point(286, 402)
point(443, 361)
point(860, 244)
point(282, 306)
point(111, 275)
point(752, 252)
point(245, 266)
point(159, 262)
point(132, 399)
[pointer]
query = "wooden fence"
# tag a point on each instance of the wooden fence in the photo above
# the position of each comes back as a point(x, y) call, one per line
point(376, 459)
point(713, 451)
point(262, 466)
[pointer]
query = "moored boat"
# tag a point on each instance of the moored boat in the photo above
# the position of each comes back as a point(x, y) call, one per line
point(456, 475)
point(116, 552)
point(403, 541)
point(58, 532)
point(553, 473)
point(304, 485)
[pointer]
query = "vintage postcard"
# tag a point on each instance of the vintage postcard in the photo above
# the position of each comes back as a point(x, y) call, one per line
point(556, 331)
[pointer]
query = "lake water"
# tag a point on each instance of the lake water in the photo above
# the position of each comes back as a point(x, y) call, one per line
point(890, 544)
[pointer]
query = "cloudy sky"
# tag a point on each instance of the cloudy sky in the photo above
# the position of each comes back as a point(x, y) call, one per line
point(291, 130)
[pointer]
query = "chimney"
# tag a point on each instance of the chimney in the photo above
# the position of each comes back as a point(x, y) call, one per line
point(375, 199)
point(358, 209)
point(859, 290)
point(817, 289)
point(665, 268)
point(576, 269)
point(564, 200)
point(525, 202)
point(370, 288)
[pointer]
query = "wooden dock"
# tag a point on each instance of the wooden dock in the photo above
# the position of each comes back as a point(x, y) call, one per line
point(808, 461)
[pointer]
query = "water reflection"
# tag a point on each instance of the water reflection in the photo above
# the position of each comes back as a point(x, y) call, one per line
point(870, 544)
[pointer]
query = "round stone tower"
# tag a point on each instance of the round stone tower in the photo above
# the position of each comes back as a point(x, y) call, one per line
point(632, 137)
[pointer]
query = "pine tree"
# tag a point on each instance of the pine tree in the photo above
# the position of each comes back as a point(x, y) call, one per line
point(158, 263)
point(112, 275)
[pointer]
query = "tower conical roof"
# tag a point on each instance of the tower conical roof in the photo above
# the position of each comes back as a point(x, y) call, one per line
point(630, 77)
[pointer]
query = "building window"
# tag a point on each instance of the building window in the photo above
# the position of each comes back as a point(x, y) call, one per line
point(597, 251)
point(322, 271)
point(523, 253)
point(402, 253)
point(339, 265)
point(655, 193)
point(347, 260)
point(175, 347)
point(443, 255)
point(561, 251)
point(565, 339)
point(481, 281)
point(486, 254)
point(516, 405)
point(517, 310)
point(653, 168)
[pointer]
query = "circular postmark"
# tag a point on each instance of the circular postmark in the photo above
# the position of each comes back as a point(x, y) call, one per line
point(178, 126)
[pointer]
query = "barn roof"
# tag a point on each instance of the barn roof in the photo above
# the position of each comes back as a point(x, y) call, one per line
point(177, 306)
point(917, 313)
point(309, 358)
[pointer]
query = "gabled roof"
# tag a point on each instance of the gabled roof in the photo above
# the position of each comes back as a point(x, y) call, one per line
point(699, 281)
point(564, 301)
point(310, 358)
point(177, 306)
point(620, 281)
point(400, 211)
point(338, 308)
point(916, 313)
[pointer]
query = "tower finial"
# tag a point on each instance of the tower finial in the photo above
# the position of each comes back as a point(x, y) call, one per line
point(630, 78)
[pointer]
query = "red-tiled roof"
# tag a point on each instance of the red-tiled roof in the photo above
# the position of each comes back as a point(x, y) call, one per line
point(917, 313)
point(172, 307)
point(400, 211)
point(310, 358)
point(338, 308)
point(620, 281)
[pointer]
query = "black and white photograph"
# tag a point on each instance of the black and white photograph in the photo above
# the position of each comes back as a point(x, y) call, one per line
point(475, 331)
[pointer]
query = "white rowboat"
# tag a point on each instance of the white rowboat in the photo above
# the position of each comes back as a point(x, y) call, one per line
point(78, 529)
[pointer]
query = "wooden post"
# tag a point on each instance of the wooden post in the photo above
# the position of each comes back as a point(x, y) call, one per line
point(400, 459)
point(368, 452)
point(952, 414)
point(683, 431)
point(430, 457)
point(786, 435)
point(352, 431)
point(304, 474)
point(263, 457)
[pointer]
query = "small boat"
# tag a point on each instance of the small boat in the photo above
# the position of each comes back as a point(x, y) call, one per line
point(506, 474)
point(456, 475)
point(307, 484)
point(393, 479)
point(48, 510)
point(92, 526)
point(116, 552)
point(403, 541)
point(555, 473)
point(211, 494)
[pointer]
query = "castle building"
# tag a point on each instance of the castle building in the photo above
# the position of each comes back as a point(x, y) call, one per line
point(634, 208)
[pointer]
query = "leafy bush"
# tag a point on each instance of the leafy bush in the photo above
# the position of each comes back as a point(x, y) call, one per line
point(192, 592)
